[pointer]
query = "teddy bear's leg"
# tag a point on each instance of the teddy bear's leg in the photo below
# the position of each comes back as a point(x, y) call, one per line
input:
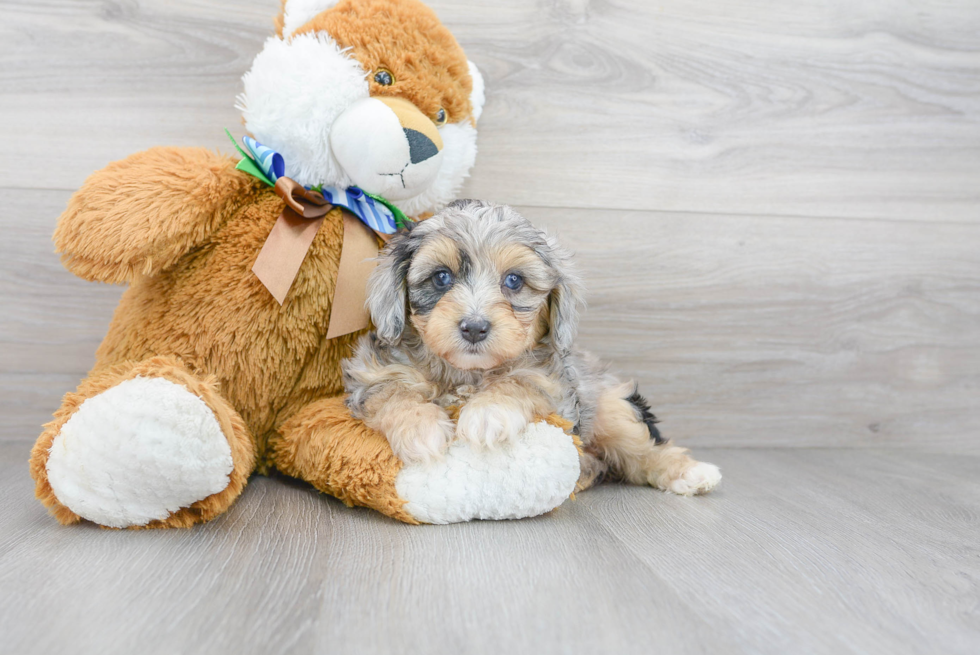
point(142, 444)
point(339, 455)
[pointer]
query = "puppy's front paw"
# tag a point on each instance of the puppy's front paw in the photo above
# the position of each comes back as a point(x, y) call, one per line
point(485, 424)
point(421, 435)
point(699, 479)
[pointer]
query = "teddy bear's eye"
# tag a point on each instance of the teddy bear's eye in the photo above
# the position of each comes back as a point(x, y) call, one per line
point(384, 77)
point(441, 116)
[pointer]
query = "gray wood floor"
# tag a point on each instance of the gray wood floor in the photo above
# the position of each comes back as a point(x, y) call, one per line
point(801, 551)
point(777, 209)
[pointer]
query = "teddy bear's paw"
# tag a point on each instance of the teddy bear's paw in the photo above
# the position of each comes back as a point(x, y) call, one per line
point(138, 452)
point(483, 424)
point(421, 435)
point(698, 479)
point(528, 476)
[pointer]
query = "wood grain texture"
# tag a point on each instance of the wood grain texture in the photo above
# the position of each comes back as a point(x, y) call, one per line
point(747, 329)
point(742, 331)
point(867, 109)
point(806, 551)
point(785, 331)
point(51, 322)
point(749, 317)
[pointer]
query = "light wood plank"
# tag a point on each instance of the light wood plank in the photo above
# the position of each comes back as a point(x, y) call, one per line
point(288, 570)
point(52, 321)
point(815, 551)
point(838, 108)
point(787, 331)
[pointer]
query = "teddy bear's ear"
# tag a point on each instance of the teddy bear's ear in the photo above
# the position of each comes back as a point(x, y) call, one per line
point(477, 96)
point(296, 13)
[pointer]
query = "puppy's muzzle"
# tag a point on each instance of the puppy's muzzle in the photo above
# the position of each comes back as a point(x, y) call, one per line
point(474, 329)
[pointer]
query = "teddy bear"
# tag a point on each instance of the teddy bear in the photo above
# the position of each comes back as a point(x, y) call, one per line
point(246, 285)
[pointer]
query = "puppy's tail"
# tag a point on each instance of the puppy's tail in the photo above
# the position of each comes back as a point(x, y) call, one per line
point(642, 409)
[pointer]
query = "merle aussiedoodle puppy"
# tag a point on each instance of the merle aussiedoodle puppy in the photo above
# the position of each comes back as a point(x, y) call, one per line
point(476, 309)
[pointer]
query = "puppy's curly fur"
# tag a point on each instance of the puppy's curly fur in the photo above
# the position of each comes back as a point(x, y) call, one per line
point(476, 310)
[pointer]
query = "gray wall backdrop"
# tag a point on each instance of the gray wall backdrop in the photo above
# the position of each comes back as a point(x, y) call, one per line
point(776, 205)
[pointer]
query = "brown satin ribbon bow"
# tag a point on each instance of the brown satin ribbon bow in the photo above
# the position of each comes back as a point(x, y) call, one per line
point(292, 235)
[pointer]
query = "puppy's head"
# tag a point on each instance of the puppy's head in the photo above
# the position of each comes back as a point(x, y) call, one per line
point(479, 284)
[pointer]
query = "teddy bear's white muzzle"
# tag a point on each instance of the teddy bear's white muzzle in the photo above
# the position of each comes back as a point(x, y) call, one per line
point(383, 155)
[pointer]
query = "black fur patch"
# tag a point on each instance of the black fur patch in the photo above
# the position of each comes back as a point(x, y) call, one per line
point(423, 298)
point(401, 249)
point(643, 407)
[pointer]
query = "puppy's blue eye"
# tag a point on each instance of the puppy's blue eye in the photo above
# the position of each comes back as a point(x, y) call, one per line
point(442, 280)
point(513, 281)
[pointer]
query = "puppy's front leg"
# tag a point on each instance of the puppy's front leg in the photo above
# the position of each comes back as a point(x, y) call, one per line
point(501, 412)
point(418, 431)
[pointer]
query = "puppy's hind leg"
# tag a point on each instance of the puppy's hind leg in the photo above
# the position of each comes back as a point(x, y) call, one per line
point(628, 440)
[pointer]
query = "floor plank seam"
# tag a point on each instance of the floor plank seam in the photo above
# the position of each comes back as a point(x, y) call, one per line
point(656, 210)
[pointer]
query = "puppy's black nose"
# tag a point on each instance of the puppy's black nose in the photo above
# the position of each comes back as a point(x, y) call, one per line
point(474, 329)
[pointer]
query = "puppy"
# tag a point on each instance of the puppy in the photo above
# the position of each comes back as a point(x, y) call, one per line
point(476, 310)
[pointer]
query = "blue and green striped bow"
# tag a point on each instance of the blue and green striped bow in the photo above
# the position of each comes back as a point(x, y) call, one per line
point(374, 211)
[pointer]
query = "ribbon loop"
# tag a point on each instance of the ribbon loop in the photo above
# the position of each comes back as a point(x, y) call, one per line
point(268, 160)
point(305, 202)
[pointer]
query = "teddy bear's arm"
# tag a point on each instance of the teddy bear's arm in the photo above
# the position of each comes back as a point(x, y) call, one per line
point(141, 214)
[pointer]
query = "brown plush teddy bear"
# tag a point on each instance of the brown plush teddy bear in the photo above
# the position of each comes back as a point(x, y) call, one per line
point(217, 364)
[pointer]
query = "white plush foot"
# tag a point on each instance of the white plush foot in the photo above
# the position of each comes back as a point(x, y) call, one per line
point(487, 425)
point(138, 452)
point(700, 478)
point(528, 476)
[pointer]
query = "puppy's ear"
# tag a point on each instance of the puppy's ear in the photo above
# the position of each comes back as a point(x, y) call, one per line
point(387, 292)
point(565, 302)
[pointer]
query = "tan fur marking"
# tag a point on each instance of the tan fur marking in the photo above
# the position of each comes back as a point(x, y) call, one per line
point(509, 335)
point(400, 408)
point(540, 325)
point(532, 393)
point(626, 445)
point(534, 325)
point(441, 251)
point(415, 429)
point(515, 257)
point(504, 407)
point(439, 329)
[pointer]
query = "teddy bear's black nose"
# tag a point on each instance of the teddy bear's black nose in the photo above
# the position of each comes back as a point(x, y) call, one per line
point(420, 146)
point(474, 329)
